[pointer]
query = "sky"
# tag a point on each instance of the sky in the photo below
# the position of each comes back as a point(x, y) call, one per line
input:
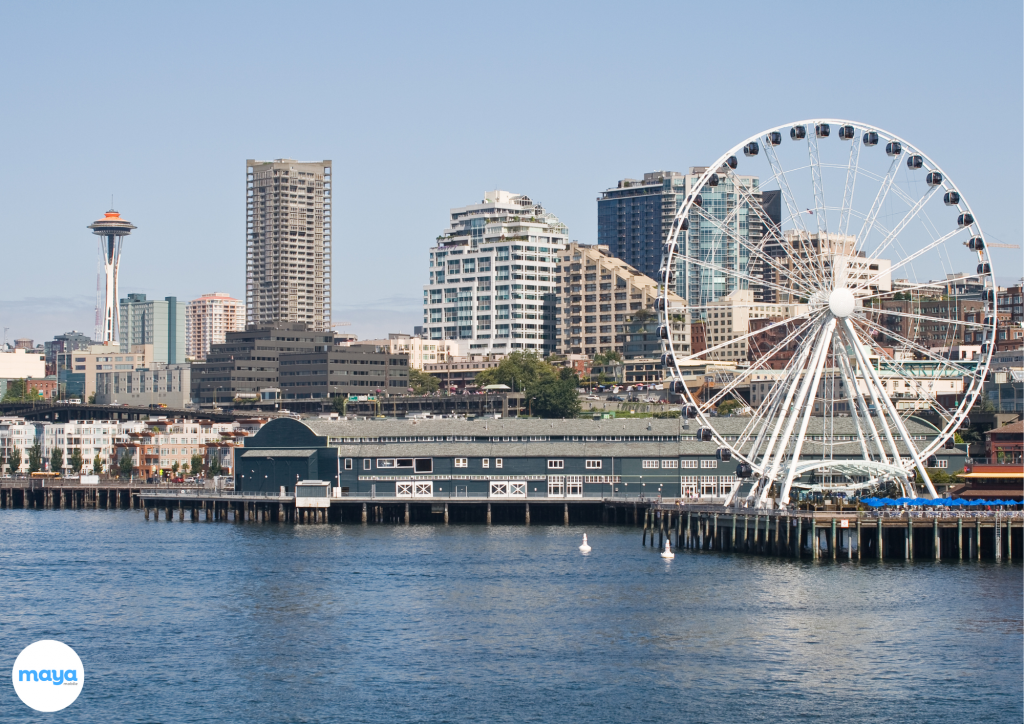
point(424, 106)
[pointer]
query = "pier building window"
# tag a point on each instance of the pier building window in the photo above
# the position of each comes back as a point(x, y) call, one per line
point(648, 464)
point(670, 463)
point(462, 462)
point(486, 462)
point(556, 464)
point(706, 464)
point(385, 462)
point(497, 462)
point(688, 464)
point(593, 464)
point(942, 463)
point(367, 464)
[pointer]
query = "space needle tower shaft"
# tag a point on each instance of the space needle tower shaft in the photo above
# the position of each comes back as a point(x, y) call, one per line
point(111, 229)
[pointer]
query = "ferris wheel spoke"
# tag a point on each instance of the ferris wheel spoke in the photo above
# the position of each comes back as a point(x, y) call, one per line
point(911, 257)
point(757, 366)
point(904, 222)
point(784, 404)
point(780, 241)
point(777, 392)
point(852, 167)
point(820, 219)
point(876, 206)
point(897, 420)
point(923, 318)
point(725, 345)
point(706, 266)
point(904, 290)
point(724, 228)
point(904, 342)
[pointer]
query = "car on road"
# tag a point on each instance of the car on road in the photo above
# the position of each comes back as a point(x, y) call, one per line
point(615, 398)
point(593, 397)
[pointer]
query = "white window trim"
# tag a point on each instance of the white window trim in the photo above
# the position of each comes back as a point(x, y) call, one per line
point(593, 464)
point(556, 464)
point(462, 462)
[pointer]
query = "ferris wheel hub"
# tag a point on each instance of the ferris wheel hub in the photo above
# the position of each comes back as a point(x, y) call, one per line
point(841, 303)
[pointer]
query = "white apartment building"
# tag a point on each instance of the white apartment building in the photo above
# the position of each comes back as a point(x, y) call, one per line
point(421, 351)
point(288, 243)
point(153, 444)
point(91, 437)
point(494, 277)
point(600, 295)
point(208, 319)
point(15, 432)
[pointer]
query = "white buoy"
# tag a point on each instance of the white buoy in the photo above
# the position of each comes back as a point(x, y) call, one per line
point(584, 548)
point(667, 553)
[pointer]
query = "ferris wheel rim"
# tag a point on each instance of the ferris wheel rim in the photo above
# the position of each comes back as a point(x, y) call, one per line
point(974, 229)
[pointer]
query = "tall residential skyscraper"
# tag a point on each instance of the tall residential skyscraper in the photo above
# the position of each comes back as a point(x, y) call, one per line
point(635, 218)
point(494, 276)
point(159, 322)
point(208, 319)
point(288, 244)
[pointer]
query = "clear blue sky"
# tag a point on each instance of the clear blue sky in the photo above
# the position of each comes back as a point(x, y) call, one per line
point(423, 106)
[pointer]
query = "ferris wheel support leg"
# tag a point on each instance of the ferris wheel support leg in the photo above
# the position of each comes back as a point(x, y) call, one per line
point(851, 386)
point(787, 406)
point(808, 409)
point(897, 420)
point(817, 360)
point(871, 380)
point(851, 382)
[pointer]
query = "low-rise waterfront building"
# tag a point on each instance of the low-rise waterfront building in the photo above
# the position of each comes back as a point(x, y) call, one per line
point(514, 459)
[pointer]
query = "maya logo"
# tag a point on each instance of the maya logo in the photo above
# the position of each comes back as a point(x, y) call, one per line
point(48, 675)
point(54, 676)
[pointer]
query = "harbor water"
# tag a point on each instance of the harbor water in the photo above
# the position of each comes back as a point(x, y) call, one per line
point(196, 622)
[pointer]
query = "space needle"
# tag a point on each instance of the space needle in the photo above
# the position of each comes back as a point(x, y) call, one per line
point(111, 229)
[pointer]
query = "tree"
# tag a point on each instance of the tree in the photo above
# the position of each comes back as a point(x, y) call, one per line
point(215, 466)
point(606, 358)
point(125, 465)
point(14, 461)
point(56, 460)
point(75, 462)
point(16, 391)
point(174, 468)
point(521, 371)
point(556, 397)
point(197, 464)
point(338, 403)
point(97, 465)
point(422, 383)
point(729, 406)
point(92, 399)
point(35, 458)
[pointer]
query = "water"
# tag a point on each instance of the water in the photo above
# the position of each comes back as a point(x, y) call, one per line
point(216, 622)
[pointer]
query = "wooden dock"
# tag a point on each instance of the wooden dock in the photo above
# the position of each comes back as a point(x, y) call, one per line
point(820, 535)
point(835, 535)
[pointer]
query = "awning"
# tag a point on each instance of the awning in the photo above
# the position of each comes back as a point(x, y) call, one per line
point(268, 453)
point(990, 476)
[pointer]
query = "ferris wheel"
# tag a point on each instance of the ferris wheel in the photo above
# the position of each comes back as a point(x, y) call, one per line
point(832, 280)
